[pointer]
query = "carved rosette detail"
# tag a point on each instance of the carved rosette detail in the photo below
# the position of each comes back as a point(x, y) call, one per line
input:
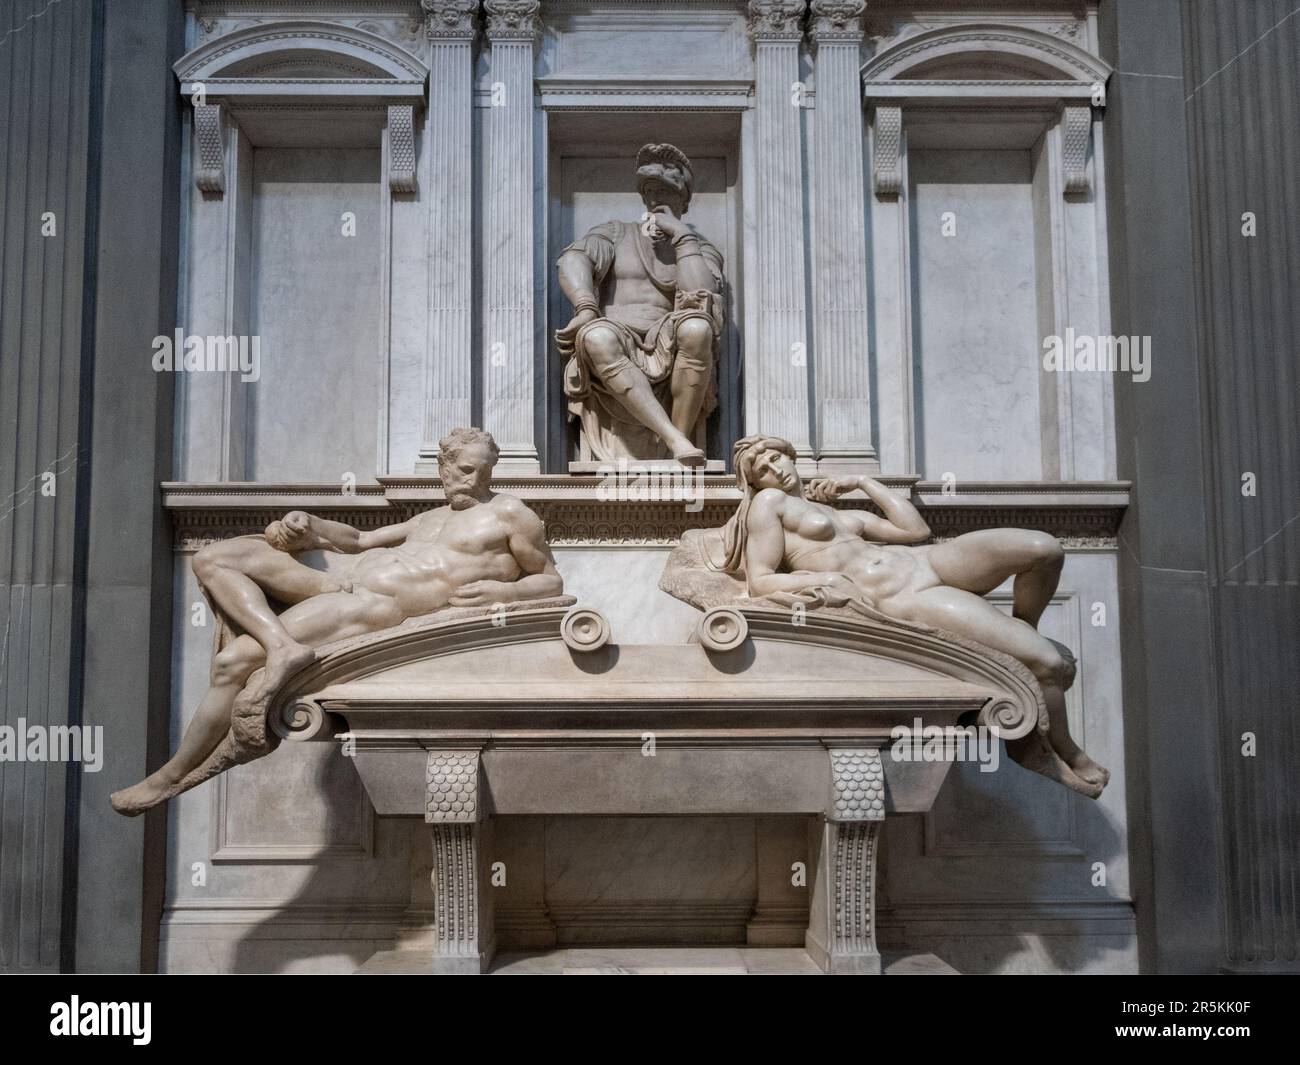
point(885, 148)
point(584, 630)
point(859, 785)
point(512, 20)
point(452, 791)
point(776, 20)
point(1076, 130)
point(723, 628)
point(455, 20)
point(209, 137)
point(837, 20)
point(401, 148)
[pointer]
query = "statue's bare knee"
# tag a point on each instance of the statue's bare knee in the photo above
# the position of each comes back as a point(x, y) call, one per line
point(602, 346)
point(695, 338)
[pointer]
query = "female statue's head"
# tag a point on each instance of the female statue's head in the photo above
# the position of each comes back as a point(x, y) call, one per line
point(765, 462)
point(760, 462)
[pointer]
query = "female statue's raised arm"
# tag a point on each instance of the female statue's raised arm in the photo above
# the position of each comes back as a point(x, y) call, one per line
point(902, 522)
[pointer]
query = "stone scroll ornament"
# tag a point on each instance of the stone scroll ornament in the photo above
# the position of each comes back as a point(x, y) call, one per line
point(640, 371)
point(786, 545)
point(483, 552)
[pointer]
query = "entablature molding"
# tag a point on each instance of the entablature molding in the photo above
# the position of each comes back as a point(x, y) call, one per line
point(579, 513)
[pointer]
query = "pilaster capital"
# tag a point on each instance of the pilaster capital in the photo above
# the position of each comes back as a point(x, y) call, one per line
point(450, 20)
point(512, 20)
point(776, 21)
point(837, 20)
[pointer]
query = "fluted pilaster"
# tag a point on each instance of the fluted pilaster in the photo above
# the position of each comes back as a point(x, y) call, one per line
point(508, 339)
point(450, 26)
point(779, 354)
point(839, 291)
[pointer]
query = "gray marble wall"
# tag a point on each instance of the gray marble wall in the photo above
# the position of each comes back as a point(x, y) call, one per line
point(1210, 582)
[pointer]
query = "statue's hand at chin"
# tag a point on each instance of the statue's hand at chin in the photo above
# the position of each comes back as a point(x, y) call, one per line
point(482, 593)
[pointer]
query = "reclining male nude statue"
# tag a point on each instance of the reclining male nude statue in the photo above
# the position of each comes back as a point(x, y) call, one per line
point(480, 549)
point(787, 544)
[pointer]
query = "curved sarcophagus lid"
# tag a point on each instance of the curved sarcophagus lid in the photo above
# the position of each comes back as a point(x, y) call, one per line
point(757, 666)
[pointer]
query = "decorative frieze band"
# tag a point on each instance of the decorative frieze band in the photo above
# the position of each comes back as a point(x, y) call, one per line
point(401, 148)
point(1076, 131)
point(210, 141)
point(778, 21)
point(886, 144)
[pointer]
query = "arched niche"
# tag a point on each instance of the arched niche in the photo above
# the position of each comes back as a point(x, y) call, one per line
point(297, 123)
point(994, 128)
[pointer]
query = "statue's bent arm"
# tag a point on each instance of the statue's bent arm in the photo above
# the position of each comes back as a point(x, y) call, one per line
point(339, 536)
point(577, 276)
point(902, 522)
point(529, 547)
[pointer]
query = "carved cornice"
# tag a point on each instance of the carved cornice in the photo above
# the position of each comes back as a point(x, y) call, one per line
point(776, 21)
point(450, 20)
point(512, 20)
point(1082, 515)
point(837, 20)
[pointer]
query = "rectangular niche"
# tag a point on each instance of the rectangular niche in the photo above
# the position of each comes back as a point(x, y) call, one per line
point(975, 314)
point(591, 178)
point(316, 300)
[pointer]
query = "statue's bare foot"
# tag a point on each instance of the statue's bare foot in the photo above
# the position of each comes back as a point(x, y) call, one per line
point(1085, 767)
point(688, 455)
point(281, 664)
point(1036, 754)
point(138, 798)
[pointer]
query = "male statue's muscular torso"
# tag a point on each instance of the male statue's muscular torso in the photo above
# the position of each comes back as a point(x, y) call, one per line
point(630, 296)
point(446, 549)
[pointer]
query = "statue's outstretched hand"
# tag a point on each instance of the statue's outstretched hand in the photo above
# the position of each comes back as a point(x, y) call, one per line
point(292, 533)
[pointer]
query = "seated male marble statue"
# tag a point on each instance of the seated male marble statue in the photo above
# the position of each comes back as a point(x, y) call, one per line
point(482, 548)
point(641, 347)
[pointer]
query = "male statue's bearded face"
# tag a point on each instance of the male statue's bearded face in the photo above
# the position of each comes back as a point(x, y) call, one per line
point(465, 476)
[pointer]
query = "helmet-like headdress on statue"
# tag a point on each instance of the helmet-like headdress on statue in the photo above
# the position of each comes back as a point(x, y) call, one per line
point(666, 163)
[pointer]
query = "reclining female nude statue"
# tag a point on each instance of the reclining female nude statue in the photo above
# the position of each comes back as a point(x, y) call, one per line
point(788, 545)
point(482, 548)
